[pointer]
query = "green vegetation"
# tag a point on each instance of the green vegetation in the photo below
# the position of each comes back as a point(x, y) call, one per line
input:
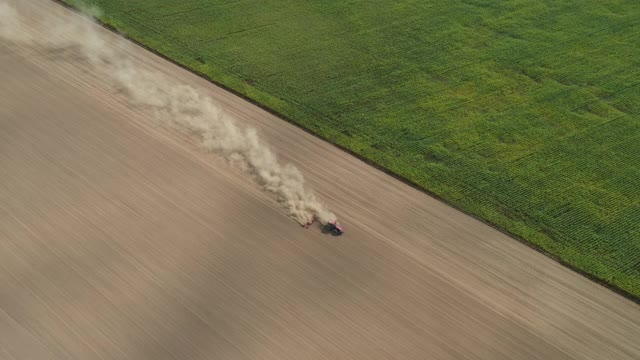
point(523, 113)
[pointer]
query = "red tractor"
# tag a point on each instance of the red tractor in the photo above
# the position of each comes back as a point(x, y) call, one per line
point(331, 227)
point(334, 228)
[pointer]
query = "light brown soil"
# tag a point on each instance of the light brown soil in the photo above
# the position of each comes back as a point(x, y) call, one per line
point(121, 240)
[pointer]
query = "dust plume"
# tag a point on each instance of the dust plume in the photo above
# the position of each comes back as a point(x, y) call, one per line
point(180, 106)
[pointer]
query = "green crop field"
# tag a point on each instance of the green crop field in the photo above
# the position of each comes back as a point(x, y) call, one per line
point(523, 113)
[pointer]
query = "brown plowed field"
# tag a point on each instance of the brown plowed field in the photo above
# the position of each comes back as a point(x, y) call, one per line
point(120, 239)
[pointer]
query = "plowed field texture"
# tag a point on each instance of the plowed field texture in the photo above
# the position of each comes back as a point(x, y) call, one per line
point(523, 113)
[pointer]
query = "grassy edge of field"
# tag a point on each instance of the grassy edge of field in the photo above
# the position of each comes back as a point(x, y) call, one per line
point(535, 239)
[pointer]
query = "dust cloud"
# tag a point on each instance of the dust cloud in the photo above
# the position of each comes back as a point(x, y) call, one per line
point(180, 106)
